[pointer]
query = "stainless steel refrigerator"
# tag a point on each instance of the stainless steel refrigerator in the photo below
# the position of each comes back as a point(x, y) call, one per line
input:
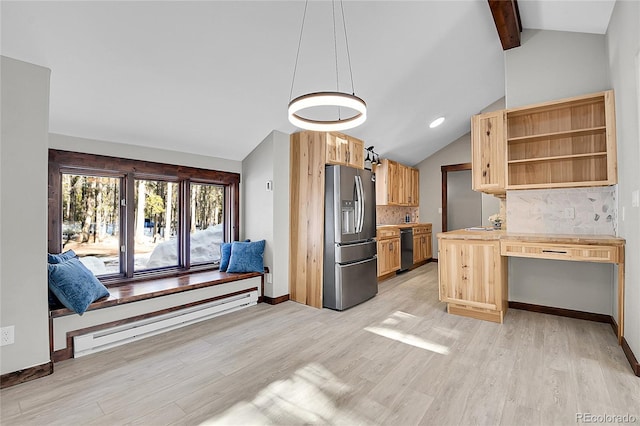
point(350, 256)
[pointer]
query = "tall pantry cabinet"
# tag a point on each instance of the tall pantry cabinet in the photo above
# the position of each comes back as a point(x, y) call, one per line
point(310, 151)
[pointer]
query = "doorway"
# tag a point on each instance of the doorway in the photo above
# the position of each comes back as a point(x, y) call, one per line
point(461, 205)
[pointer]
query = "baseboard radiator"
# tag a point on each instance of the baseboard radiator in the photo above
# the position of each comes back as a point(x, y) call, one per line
point(130, 332)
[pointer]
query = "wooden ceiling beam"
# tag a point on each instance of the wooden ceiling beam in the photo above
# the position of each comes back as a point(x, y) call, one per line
point(507, 19)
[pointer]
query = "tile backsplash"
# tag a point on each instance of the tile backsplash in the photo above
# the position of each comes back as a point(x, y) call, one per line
point(390, 215)
point(591, 210)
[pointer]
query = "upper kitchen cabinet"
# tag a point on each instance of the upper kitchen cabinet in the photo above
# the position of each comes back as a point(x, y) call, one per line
point(488, 152)
point(558, 144)
point(344, 150)
point(414, 194)
point(566, 143)
point(397, 184)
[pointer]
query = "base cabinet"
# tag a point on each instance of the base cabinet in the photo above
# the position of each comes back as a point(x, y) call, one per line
point(473, 278)
point(388, 251)
point(422, 244)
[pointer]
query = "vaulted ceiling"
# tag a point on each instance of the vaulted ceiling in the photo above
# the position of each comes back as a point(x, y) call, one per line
point(215, 77)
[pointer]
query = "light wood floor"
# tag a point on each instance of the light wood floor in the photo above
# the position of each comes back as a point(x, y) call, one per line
point(398, 359)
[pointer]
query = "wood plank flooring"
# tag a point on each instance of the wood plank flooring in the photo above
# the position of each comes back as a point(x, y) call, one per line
point(398, 359)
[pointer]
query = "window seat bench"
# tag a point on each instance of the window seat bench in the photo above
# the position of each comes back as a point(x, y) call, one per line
point(145, 308)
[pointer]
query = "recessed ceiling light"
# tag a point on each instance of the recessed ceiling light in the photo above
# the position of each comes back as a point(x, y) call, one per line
point(435, 123)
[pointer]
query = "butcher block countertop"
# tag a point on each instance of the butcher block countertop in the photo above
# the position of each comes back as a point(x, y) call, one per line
point(490, 235)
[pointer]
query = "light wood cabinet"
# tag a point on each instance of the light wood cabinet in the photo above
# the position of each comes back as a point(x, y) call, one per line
point(473, 278)
point(488, 152)
point(414, 189)
point(344, 150)
point(422, 243)
point(565, 143)
point(559, 144)
point(388, 250)
point(306, 198)
point(309, 152)
point(397, 184)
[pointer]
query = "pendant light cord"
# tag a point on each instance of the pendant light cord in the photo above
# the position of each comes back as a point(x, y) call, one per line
point(346, 42)
point(335, 47)
point(295, 67)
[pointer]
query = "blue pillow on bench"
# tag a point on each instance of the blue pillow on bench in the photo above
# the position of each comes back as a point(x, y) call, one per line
point(62, 257)
point(247, 257)
point(225, 255)
point(74, 285)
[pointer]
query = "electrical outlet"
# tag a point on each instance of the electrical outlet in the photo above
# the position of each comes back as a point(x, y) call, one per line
point(7, 335)
point(635, 198)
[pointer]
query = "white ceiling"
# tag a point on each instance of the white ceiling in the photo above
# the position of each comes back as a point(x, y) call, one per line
point(214, 77)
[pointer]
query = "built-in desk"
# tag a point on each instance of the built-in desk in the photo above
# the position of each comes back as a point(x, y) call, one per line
point(476, 290)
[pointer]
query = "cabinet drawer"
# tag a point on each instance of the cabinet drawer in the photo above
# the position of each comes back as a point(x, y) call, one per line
point(584, 253)
point(422, 229)
point(384, 233)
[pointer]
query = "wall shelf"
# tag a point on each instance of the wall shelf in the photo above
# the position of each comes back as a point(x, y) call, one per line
point(559, 157)
point(559, 135)
point(559, 144)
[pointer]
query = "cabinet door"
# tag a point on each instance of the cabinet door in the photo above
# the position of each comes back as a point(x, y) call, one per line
point(393, 183)
point(428, 247)
point(355, 155)
point(388, 256)
point(394, 261)
point(421, 247)
point(470, 273)
point(337, 148)
point(418, 254)
point(382, 255)
point(414, 187)
point(404, 181)
point(488, 152)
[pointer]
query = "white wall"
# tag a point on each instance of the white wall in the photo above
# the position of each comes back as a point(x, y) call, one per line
point(266, 213)
point(553, 65)
point(459, 151)
point(134, 152)
point(623, 49)
point(23, 213)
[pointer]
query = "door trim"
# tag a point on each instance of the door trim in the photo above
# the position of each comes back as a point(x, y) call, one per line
point(446, 169)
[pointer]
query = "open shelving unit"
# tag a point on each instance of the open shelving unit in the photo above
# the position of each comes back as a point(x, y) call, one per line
point(565, 143)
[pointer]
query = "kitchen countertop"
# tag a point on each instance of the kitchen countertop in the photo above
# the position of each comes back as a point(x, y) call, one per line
point(533, 238)
point(403, 225)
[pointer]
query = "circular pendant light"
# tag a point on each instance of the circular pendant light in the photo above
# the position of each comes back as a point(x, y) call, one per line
point(321, 99)
point(335, 99)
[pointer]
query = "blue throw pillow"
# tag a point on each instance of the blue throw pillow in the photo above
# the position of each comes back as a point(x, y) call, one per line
point(59, 258)
point(225, 254)
point(247, 257)
point(74, 285)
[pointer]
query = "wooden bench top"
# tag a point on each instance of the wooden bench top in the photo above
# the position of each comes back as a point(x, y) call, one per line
point(155, 287)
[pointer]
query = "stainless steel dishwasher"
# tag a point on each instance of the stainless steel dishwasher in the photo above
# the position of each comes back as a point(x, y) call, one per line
point(406, 248)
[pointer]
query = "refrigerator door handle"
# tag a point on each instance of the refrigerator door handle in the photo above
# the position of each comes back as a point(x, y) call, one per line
point(348, 265)
point(358, 207)
point(360, 204)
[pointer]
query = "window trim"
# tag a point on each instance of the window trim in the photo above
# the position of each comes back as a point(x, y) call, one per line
point(127, 169)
